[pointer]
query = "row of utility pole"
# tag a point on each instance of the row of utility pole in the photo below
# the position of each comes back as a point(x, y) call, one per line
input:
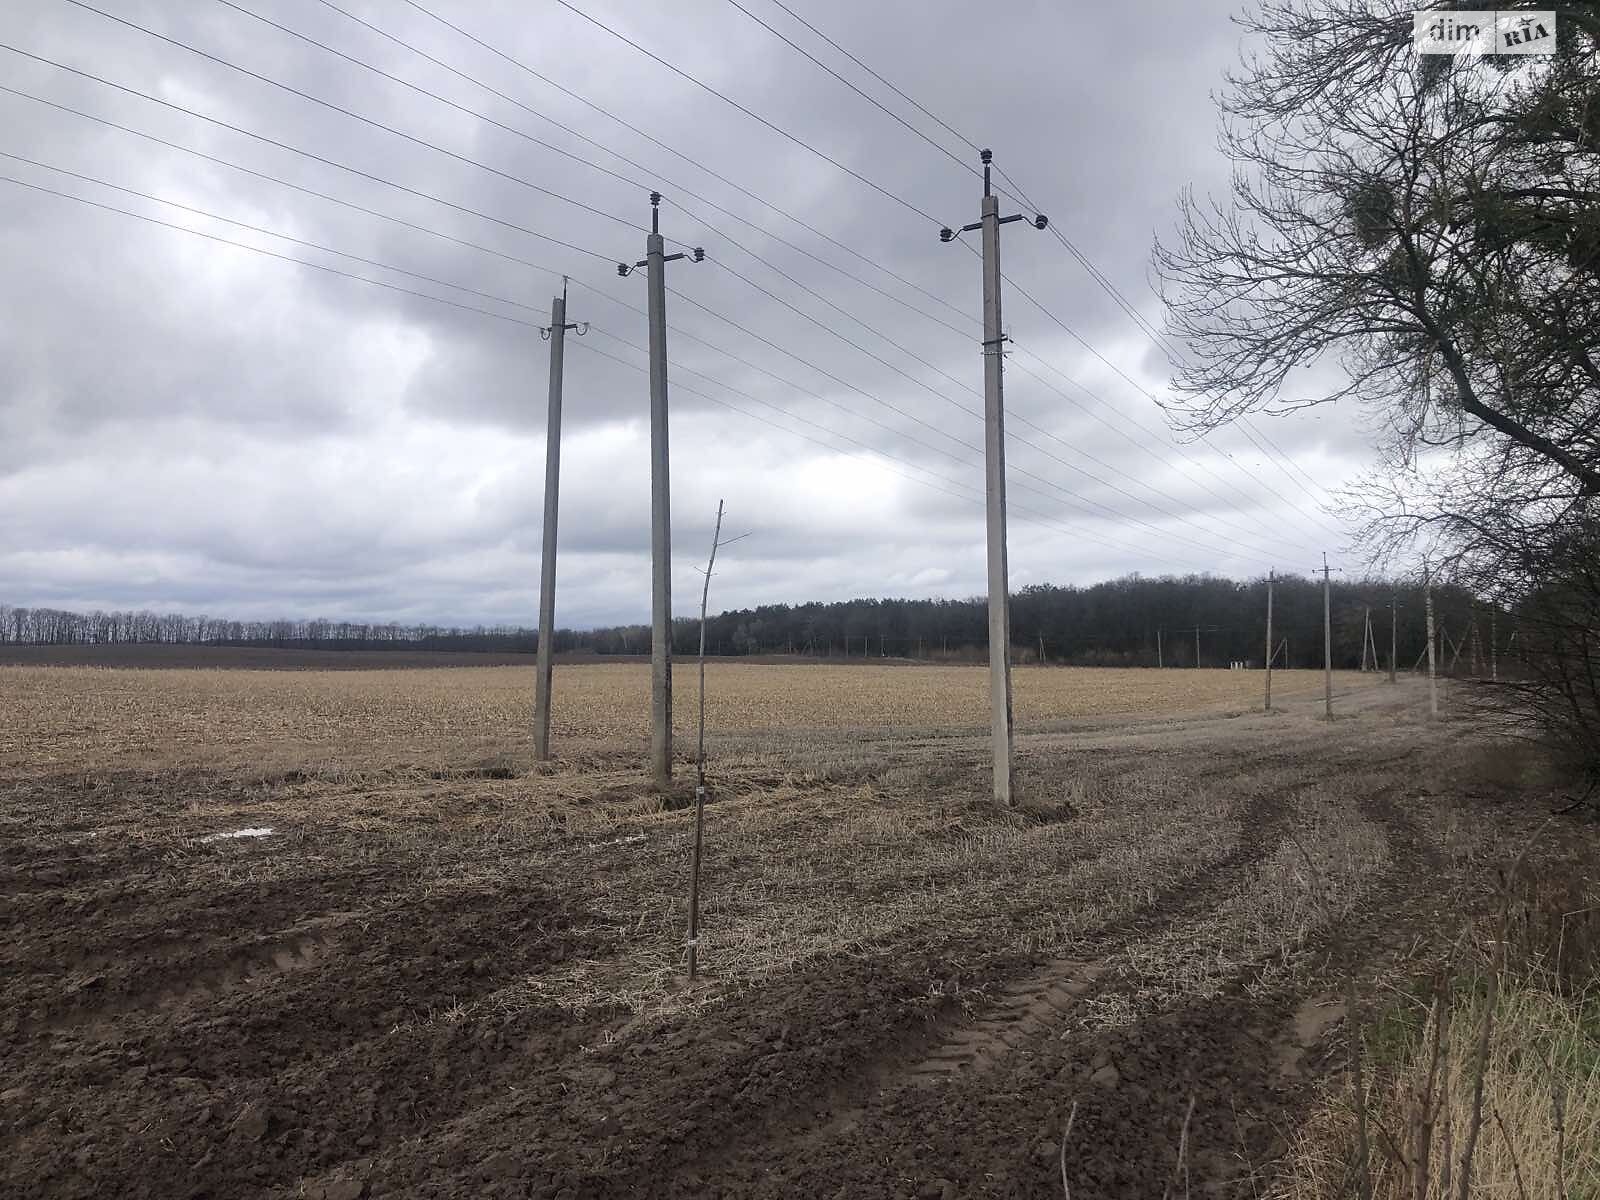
point(993, 347)
point(1367, 639)
point(653, 264)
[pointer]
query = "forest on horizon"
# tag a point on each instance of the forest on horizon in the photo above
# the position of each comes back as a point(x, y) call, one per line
point(1130, 621)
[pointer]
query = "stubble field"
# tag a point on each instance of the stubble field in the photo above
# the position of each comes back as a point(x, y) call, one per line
point(90, 717)
point(449, 971)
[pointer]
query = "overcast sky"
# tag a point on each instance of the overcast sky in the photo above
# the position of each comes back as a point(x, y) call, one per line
point(189, 425)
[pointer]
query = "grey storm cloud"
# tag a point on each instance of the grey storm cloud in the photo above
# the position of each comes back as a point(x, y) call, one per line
point(187, 424)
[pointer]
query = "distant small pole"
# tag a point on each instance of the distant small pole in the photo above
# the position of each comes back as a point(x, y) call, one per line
point(1327, 637)
point(1197, 647)
point(1433, 678)
point(1270, 646)
point(1041, 649)
point(1159, 663)
point(1394, 632)
point(700, 764)
point(1494, 652)
point(556, 334)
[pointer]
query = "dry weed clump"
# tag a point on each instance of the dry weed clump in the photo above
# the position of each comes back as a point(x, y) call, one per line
point(1540, 1134)
point(1486, 1086)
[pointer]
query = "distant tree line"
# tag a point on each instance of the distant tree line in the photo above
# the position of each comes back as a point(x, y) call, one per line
point(1132, 621)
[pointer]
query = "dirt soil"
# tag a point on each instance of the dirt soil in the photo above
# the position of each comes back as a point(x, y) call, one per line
point(468, 982)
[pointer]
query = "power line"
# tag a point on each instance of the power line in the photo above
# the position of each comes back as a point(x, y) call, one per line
point(239, 129)
point(784, 38)
point(298, 241)
point(269, 253)
point(376, 124)
point(461, 306)
point(957, 404)
point(971, 145)
point(522, 134)
point(1029, 514)
point(1094, 272)
point(412, 225)
point(409, 291)
point(1027, 295)
point(379, 124)
point(678, 154)
point(490, 120)
point(754, 116)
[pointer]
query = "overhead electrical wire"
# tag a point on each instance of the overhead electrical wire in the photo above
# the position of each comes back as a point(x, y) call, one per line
point(769, 205)
point(264, 139)
point(754, 116)
point(392, 130)
point(765, 291)
point(1098, 276)
point(1087, 264)
point(1031, 515)
point(353, 115)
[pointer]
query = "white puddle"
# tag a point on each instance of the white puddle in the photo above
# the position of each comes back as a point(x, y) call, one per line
point(237, 833)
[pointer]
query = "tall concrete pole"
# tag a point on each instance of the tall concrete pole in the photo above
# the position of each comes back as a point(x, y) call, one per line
point(1268, 707)
point(994, 460)
point(1327, 639)
point(660, 511)
point(654, 262)
point(547, 551)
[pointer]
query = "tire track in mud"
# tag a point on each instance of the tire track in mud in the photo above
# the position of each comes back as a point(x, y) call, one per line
point(1030, 1008)
point(203, 981)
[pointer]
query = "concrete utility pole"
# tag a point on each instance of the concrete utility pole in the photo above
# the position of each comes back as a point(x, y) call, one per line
point(1327, 638)
point(994, 457)
point(1159, 663)
point(556, 335)
point(1433, 678)
point(1270, 647)
point(660, 497)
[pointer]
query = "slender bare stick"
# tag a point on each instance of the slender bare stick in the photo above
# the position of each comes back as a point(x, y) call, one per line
point(1424, 1111)
point(1066, 1189)
point(1516, 1163)
point(700, 764)
point(1558, 1104)
point(1358, 1082)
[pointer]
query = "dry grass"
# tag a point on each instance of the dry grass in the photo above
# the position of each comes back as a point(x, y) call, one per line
point(55, 718)
point(1522, 1012)
point(1541, 1115)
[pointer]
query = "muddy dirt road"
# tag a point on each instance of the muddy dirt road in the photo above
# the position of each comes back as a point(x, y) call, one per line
point(440, 978)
